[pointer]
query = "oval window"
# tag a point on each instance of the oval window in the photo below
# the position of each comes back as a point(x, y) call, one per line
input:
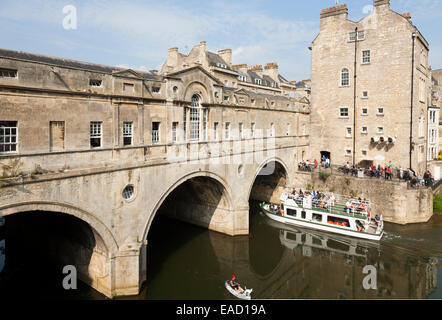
point(128, 192)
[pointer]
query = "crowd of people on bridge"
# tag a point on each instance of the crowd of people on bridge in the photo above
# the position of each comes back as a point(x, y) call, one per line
point(307, 165)
point(387, 172)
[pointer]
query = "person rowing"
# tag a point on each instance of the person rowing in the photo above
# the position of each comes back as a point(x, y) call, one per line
point(235, 285)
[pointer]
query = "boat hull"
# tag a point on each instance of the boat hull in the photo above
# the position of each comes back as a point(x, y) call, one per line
point(237, 294)
point(321, 227)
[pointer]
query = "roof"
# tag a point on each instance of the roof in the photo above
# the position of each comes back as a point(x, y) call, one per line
point(215, 59)
point(21, 55)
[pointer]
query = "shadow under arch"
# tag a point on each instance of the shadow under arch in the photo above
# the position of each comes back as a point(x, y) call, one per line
point(188, 177)
point(265, 251)
point(61, 207)
point(43, 237)
point(278, 171)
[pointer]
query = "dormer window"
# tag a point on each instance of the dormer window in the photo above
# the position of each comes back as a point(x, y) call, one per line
point(8, 73)
point(95, 83)
point(258, 81)
point(242, 78)
point(221, 65)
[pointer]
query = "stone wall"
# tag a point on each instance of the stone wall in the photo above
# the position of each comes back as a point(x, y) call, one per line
point(394, 200)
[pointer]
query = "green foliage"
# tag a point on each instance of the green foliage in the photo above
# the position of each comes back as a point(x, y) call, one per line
point(437, 204)
point(324, 176)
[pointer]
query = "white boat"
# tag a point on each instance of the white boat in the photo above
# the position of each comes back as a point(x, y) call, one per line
point(246, 294)
point(340, 215)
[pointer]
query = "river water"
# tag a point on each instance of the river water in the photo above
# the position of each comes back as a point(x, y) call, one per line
point(277, 261)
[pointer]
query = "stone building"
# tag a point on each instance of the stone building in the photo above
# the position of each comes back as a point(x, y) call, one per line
point(369, 92)
point(436, 99)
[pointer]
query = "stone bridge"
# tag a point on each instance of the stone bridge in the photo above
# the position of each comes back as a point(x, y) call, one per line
point(207, 188)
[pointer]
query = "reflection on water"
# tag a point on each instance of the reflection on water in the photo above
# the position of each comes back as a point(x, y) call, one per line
point(283, 262)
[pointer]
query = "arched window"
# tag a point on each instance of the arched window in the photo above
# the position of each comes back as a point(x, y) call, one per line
point(195, 115)
point(345, 77)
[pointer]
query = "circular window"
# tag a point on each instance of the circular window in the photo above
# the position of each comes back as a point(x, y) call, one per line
point(128, 192)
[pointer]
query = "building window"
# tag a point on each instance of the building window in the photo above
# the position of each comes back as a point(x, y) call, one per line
point(361, 35)
point(242, 78)
point(56, 135)
point(174, 132)
point(345, 77)
point(380, 130)
point(241, 136)
point(364, 129)
point(127, 133)
point(258, 81)
point(364, 111)
point(128, 87)
point(343, 112)
point(366, 56)
point(185, 124)
point(128, 192)
point(8, 136)
point(352, 36)
point(195, 111)
point(215, 131)
point(252, 130)
point(205, 123)
point(227, 131)
point(348, 131)
point(225, 83)
point(365, 94)
point(380, 111)
point(95, 83)
point(348, 152)
point(8, 73)
point(96, 134)
point(156, 89)
point(364, 153)
point(252, 101)
point(226, 98)
point(155, 132)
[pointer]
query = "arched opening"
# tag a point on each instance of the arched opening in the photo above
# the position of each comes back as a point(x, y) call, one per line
point(180, 255)
point(37, 245)
point(265, 250)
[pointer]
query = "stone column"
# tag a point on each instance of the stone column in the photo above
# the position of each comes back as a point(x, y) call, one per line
point(141, 123)
point(116, 123)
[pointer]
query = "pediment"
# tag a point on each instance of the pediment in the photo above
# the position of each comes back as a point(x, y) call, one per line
point(192, 70)
point(128, 73)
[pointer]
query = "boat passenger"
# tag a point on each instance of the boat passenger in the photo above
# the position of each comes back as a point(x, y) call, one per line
point(235, 284)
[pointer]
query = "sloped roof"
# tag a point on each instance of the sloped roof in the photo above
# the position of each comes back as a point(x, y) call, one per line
point(21, 55)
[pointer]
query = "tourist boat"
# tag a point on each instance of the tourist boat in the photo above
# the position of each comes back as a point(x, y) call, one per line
point(246, 294)
point(340, 215)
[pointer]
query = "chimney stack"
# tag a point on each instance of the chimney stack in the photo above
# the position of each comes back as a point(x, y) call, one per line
point(335, 11)
point(378, 3)
point(226, 55)
point(271, 70)
point(172, 57)
point(257, 68)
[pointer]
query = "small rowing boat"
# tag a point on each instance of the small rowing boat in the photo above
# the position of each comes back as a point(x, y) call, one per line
point(246, 294)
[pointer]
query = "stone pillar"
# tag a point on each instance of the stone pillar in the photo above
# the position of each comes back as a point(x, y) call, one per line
point(116, 123)
point(126, 269)
point(141, 123)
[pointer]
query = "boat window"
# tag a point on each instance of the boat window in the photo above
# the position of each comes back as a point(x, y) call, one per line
point(291, 236)
point(291, 212)
point(338, 221)
point(333, 244)
point(303, 214)
point(316, 241)
point(317, 217)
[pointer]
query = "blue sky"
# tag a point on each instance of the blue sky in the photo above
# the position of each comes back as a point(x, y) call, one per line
point(137, 33)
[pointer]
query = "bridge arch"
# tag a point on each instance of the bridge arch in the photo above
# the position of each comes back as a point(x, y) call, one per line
point(278, 161)
point(60, 207)
point(188, 177)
